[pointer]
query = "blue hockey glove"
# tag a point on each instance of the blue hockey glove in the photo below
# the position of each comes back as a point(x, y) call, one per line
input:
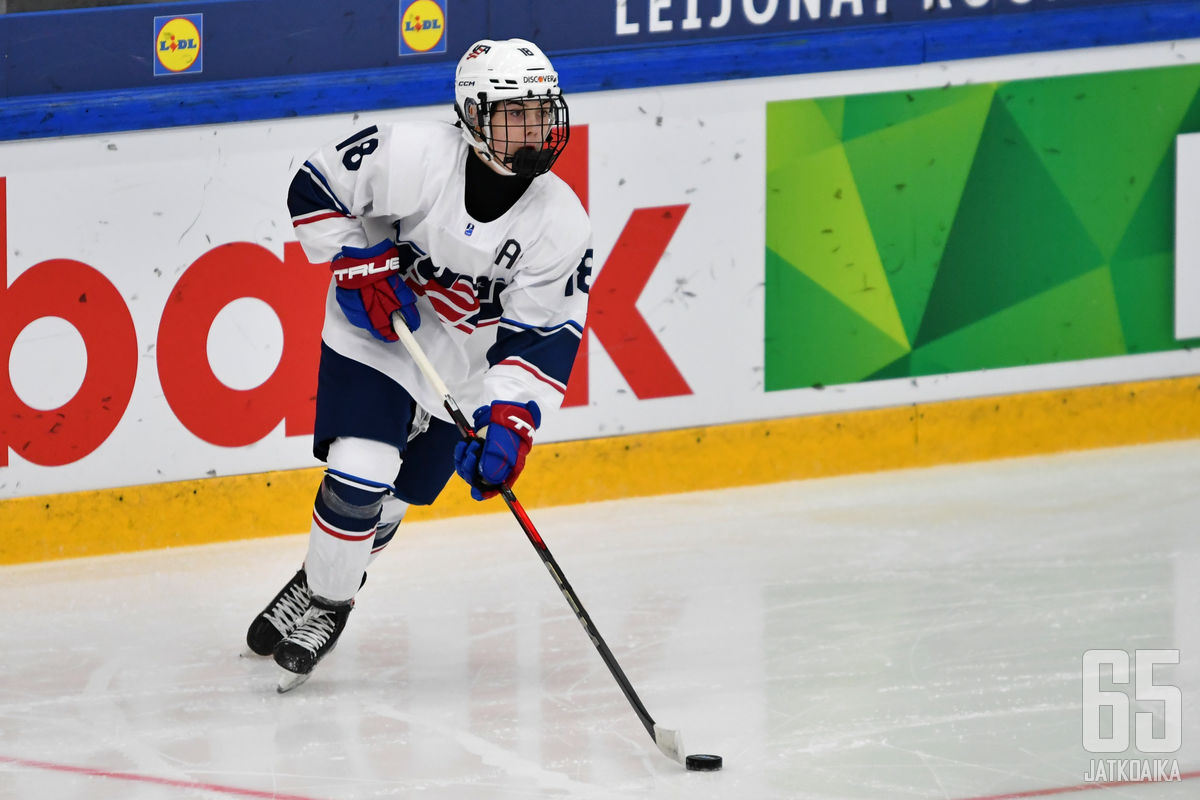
point(504, 434)
point(370, 289)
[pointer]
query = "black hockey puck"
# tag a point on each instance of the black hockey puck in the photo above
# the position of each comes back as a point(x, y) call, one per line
point(703, 762)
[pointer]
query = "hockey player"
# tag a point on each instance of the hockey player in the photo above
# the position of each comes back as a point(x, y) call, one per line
point(460, 231)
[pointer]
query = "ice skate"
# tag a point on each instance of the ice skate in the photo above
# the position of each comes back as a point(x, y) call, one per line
point(314, 636)
point(281, 615)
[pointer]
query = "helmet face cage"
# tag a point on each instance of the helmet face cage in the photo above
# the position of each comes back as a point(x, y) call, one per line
point(510, 107)
point(523, 135)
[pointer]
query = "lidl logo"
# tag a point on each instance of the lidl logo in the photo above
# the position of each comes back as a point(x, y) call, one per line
point(422, 27)
point(178, 44)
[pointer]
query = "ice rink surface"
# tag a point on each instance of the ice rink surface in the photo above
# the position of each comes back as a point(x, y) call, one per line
point(913, 634)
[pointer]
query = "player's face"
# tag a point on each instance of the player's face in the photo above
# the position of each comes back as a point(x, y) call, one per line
point(519, 123)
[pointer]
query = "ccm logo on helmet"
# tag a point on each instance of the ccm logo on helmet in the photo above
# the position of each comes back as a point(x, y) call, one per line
point(358, 270)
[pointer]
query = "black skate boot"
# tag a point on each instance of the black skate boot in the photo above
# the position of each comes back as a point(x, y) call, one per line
point(281, 615)
point(312, 638)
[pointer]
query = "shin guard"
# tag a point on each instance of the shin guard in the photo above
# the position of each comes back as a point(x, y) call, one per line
point(345, 515)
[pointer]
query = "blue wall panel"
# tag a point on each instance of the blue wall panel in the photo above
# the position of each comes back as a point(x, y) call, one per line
point(92, 71)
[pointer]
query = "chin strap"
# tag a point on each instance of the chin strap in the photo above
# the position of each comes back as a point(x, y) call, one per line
point(485, 152)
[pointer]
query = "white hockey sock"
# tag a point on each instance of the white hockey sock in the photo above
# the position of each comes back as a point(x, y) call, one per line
point(345, 514)
point(391, 515)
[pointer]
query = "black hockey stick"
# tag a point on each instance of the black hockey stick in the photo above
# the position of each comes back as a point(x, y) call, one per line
point(668, 741)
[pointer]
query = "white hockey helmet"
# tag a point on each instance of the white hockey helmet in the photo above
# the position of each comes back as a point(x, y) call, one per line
point(493, 72)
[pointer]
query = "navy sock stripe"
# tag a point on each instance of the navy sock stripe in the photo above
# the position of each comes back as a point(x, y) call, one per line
point(384, 535)
point(361, 481)
point(348, 508)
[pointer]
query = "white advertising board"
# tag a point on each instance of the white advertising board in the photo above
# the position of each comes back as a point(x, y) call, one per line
point(1187, 236)
point(150, 280)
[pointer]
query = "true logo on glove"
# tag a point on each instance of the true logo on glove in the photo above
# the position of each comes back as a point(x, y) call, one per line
point(518, 424)
point(370, 289)
point(489, 461)
point(369, 268)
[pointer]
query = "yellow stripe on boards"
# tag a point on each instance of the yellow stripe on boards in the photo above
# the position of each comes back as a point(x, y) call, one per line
point(277, 503)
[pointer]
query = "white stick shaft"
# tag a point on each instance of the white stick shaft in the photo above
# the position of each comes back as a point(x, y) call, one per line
point(418, 355)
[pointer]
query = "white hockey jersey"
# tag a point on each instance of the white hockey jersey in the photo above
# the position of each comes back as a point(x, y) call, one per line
point(502, 303)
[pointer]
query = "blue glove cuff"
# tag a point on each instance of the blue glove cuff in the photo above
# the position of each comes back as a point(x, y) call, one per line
point(365, 252)
point(483, 414)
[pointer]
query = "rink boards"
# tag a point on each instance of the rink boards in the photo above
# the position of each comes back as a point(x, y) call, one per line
point(164, 323)
point(695, 459)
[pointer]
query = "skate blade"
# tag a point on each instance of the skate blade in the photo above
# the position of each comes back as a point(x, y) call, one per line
point(290, 680)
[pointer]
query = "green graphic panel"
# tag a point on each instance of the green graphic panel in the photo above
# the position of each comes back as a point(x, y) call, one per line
point(1146, 286)
point(834, 110)
point(999, 253)
point(911, 175)
point(1077, 319)
point(1143, 267)
point(1061, 120)
point(826, 319)
point(955, 229)
point(876, 112)
point(818, 226)
point(807, 129)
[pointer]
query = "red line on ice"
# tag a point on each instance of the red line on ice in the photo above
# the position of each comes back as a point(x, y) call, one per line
point(1082, 787)
point(129, 776)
